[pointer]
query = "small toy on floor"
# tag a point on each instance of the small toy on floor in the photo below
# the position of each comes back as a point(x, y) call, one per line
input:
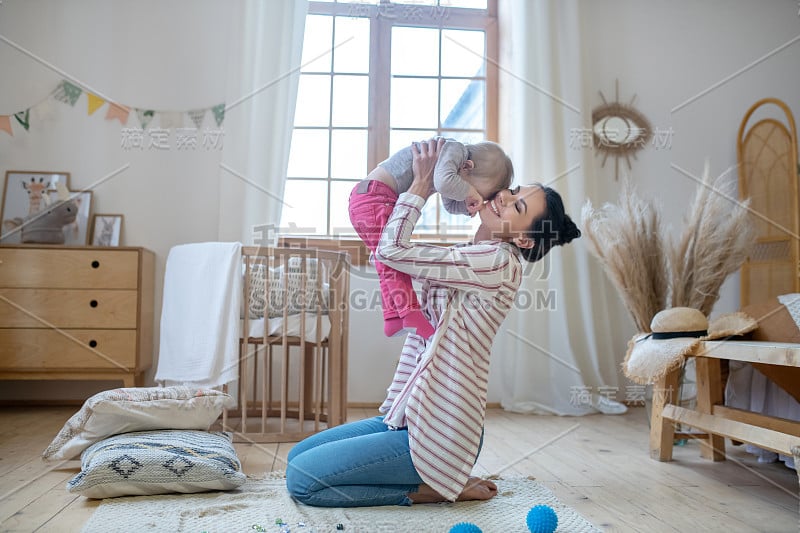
point(465, 527)
point(542, 519)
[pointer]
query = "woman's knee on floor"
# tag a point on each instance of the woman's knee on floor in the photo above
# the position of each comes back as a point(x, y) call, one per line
point(298, 482)
point(296, 449)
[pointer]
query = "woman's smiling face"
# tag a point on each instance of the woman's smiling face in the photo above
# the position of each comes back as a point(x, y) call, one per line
point(511, 212)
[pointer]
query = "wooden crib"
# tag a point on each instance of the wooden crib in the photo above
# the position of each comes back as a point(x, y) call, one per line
point(293, 346)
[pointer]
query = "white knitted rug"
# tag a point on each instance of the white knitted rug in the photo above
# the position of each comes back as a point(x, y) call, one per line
point(257, 505)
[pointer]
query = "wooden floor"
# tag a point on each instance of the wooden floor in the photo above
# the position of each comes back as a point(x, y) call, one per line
point(597, 464)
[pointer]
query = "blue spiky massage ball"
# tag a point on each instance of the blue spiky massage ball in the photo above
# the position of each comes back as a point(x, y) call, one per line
point(465, 527)
point(542, 519)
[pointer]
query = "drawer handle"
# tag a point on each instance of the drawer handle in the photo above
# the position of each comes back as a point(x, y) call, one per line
point(93, 303)
point(93, 343)
point(95, 264)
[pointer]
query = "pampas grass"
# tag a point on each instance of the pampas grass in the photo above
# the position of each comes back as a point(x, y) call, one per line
point(717, 237)
point(648, 269)
point(627, 239)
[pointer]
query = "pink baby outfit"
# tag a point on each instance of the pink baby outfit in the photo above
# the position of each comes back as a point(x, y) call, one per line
point(371, 205)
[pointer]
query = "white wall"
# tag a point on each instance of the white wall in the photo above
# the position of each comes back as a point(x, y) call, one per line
point(373, 357)
point(172, 56)
point(668, 53)
point(148, 54)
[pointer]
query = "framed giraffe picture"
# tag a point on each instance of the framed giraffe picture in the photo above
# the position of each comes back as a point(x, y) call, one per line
point(28, 192)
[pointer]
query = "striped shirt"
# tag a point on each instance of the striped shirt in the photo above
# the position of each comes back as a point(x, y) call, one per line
point(440, 386)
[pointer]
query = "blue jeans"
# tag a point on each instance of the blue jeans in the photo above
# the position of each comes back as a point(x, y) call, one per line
point(359, 464)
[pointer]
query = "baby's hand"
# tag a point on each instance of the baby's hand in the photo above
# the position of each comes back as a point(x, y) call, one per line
point(474, 202)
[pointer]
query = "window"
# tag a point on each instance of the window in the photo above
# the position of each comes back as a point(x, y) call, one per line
point(375, 77)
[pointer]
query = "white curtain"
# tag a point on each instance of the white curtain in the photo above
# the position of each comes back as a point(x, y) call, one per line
point(555, 351)
point(265, 48)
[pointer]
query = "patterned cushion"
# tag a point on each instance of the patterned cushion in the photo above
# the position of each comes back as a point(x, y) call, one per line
point(270, 288)
point(136, 409)
point(158, 462)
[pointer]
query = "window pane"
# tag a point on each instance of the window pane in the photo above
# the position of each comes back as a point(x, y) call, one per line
point(317, 44)
point(415, 51)
point(473, 4)
point(349, 154)
point(462, 53)
point(352, 38)
point(340, 217)
point(433, 91)
point(313, 100)
point(466, 137)
point(350, 100)
point(403, 138)
point(427, 220)
point(463, 104)
point(413, 103)
point(307, 207)
point(450, 224)
point(308, 156)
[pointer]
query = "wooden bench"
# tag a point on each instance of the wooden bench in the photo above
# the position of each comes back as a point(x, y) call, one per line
point(710, 415)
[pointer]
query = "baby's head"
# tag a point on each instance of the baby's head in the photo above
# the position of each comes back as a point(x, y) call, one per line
point(488, 168)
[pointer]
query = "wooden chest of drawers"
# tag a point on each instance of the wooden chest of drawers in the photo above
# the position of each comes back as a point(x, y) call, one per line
point(76, 313)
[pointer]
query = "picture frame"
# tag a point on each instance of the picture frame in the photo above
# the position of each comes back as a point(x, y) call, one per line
point(24, 194)
point(27, 192)
point(106, 230)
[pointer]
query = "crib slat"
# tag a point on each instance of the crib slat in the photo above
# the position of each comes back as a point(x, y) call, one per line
point(269, 379)
point(264, 405)
point(243, 387)
point(254, 388)
point(318, 354)
point(285, 343)
point(301, 392)
point(225, 410)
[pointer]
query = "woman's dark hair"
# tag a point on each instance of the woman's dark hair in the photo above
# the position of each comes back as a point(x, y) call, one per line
point(554, 228)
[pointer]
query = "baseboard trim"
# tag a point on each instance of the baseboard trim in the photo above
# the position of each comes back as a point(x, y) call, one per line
point(74, 402)
point(41, 403)
point(368, 405)
point(363, 405)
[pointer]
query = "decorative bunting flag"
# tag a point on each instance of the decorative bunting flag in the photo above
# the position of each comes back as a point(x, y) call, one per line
point(197, 116)
point(23, 117)
point(93, 102)
point(67, 92)
point(118, 112)
point(5, 124)
point(171, 119)
point(219, 113)
point(44, 111)
point(145, 116)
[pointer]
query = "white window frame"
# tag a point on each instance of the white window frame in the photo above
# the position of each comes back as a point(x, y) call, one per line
point(383, 17)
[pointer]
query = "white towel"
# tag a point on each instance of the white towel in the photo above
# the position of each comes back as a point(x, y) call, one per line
point(200, 315)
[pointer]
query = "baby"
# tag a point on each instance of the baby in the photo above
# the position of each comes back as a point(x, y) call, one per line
point(465, 176)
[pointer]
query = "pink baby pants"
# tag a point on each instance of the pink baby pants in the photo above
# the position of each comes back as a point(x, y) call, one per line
point(371, 205)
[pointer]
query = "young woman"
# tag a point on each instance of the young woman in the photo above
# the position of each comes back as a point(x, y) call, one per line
point(424, 446)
